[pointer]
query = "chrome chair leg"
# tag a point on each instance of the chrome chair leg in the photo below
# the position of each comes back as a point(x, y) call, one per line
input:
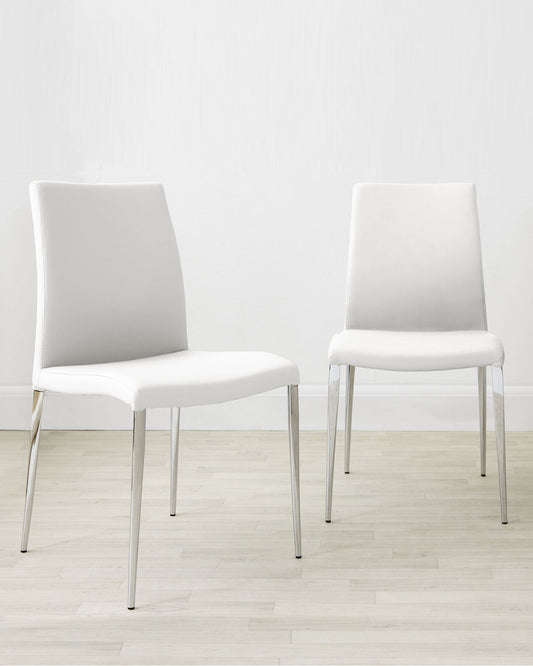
point(294, 445)
point(482, 397)
point(333, 408)
point(38, 397)
point(174, 439)
point(137, 468)
point(499, 418)
point(350, 373)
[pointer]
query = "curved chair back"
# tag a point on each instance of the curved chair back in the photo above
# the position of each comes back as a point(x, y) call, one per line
point(415, 259)
point(110, 286)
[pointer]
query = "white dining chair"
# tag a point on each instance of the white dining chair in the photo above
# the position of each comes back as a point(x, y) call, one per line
point(111, 322)
point(415, 301)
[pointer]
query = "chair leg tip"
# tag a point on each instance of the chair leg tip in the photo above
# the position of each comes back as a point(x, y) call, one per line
point(483, 475)
point(131, 607)
point(298, 557)
point(328, 521)
point(172, 515)
point(346, 472)
point(504, 522)
point(23, 551)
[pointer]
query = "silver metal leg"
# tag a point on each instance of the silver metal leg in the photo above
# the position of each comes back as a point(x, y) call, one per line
point(137, 468)
point(38, 397)
point(482, 396)
point(350, 373)
point(333, 408)
point(174, 439)
point(294, 445)
point(499, 418)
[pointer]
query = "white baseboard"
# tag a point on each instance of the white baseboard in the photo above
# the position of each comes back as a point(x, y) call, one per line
point(377, 407)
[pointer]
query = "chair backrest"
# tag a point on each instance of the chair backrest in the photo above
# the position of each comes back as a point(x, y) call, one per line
point(110, 286)
point(415, 259)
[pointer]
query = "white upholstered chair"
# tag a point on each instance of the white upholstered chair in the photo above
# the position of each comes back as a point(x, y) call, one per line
point(111, 321)
point(415, 301)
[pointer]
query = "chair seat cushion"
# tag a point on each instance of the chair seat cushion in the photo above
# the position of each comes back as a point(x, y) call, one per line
point(180, 379)
point(415, 350)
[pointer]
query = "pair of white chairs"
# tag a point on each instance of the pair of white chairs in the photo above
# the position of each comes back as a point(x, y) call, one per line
point(111, 316)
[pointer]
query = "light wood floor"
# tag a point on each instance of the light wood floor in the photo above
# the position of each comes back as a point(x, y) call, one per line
point(415, 567)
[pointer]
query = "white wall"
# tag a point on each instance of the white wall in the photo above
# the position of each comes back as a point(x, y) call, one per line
point(259, 116)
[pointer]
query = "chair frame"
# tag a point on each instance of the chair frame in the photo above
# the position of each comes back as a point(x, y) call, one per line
point(499, 418)
point(138, 448)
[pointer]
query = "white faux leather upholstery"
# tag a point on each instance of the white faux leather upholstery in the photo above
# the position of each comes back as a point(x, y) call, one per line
point(415, 259)
point(111, 305)
point(110, 286)
point(415, 350)
point(415, 298)
point(182, 379)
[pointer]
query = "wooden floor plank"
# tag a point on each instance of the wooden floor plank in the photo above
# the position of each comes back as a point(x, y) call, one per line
point(415, 567)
